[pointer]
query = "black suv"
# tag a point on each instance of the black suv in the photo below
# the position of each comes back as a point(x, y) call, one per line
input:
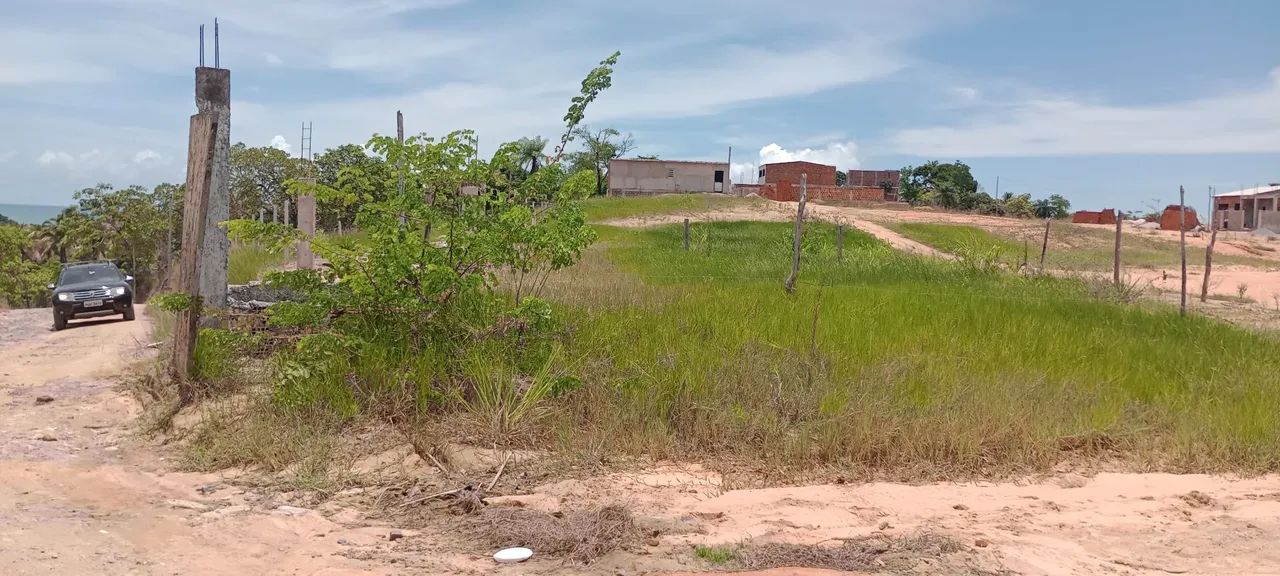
point(86, 289)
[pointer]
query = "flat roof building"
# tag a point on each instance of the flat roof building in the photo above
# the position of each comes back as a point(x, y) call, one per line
point(642, 177)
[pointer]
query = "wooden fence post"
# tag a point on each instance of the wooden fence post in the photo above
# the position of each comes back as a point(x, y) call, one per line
point(1044, 247)
point(686, 234)
point(840, 241)
point(1115, 271)
point(799, 232)
point(204, 130)
point(1182, 241)
point(1208, 253)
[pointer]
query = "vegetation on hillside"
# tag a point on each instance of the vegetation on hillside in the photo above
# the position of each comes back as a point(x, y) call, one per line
point(952, 186)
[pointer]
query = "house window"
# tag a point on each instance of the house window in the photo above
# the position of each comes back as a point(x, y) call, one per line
point(1223, 206)
point(719, 176)
point(671, 173)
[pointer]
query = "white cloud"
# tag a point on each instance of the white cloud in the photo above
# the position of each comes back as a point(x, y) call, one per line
point(147, 155)
point(842, 155)
point(272, 58)
point(1238, 122)
point(279, 143)
point(52, 158)
point(5, 157)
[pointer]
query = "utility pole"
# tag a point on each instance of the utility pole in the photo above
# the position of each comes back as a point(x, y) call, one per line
point(213, 96)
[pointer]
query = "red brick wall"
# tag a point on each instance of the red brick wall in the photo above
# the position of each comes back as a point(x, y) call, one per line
point(789, 172)
point(866, 178)
point(1086, 217)
point(1107, 216)
point(1169, 219)
point(785, 192)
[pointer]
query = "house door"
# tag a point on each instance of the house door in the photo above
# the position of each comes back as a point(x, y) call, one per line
point(719, 181)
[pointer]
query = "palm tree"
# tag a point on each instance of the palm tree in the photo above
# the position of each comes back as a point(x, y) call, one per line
point(529, 153)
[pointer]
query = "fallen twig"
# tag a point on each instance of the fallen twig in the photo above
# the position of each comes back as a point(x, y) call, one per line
point(1145, 567)
point(431, 497)
point(501, 467)
point(443, 470)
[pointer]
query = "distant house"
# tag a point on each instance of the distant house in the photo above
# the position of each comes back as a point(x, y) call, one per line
point(643, 177)
point(1250, 208)
point(790, 172)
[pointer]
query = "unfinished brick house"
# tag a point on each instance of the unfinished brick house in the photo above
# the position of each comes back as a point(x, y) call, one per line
point(1169, 218)
point(781, 181)
point(877, 179)
point(1107, 216)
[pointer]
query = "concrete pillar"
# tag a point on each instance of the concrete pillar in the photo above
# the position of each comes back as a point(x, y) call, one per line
point(307, 224)
point(286, 212)
point(213, 96)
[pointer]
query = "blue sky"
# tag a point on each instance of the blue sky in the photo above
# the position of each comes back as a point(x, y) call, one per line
point(1107, 103)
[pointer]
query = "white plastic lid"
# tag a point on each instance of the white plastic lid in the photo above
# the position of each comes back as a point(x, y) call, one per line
point(510, 555)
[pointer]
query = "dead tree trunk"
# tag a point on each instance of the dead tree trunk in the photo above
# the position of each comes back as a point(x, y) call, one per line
point(1182, 241)
point(1208, 254)
point(204, 130)
point(1044, 246)
point(799, 233)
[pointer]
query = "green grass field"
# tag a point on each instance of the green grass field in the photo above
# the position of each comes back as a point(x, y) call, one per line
point(892, 364)
point(604, 208)
point(1071, 247)
point(249, 262)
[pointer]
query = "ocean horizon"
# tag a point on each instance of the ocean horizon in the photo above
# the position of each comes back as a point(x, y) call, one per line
point(30, 213)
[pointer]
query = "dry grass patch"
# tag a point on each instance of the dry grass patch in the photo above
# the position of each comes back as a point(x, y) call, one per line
point(876, 553)
point(579, 537)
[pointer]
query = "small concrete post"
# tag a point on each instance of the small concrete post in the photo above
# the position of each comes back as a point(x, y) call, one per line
point(213, 96)
point(307, 224)
point(286, 215)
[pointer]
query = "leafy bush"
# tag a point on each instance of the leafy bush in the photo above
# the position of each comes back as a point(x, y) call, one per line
point(451, 261)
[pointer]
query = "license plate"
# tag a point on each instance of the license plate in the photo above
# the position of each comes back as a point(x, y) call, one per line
point(92, 303)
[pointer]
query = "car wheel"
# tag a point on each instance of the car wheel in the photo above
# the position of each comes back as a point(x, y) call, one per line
point(128, 313)
point(59, 321)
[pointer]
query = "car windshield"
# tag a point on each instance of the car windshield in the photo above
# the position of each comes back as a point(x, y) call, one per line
point(89, 274)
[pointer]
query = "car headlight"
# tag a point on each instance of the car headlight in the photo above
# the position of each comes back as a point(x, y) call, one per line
point(64, 297)
point(117, 291)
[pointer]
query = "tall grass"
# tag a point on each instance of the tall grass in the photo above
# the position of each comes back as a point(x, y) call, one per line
point(249, 262)
point(895, 364)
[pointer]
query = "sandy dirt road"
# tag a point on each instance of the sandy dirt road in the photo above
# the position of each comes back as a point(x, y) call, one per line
point(81, 494)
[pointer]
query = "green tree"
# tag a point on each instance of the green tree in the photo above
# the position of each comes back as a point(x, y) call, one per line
point(22, 280)
point(945, 185)
point(425, 279)
point(1019, 206)
point(257, 178)
point(598, 148)
point(351, 168)
point(529, 153)
point(842, 178)
point(6, 221)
